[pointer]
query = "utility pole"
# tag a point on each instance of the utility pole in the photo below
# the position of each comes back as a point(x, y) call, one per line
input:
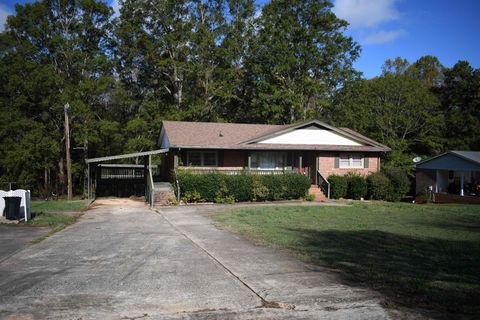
point(67, 153)
point(86, 178)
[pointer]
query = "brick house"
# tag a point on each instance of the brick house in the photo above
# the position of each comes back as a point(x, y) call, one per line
point(312, 148)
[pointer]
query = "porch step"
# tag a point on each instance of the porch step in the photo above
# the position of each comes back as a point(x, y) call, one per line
point(317, 193)
point(163, 194)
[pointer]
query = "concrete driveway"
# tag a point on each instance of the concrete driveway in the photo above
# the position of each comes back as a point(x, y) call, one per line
point(124, 261)
point(14, 238)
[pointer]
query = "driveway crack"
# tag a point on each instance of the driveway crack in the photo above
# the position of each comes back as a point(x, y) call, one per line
point(264, 303)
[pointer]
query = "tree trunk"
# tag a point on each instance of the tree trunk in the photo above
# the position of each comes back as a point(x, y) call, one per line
point(46, 181)
point(67, 154)
point(178, 87)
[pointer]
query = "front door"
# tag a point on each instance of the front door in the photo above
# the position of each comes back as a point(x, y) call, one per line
point(310, 164)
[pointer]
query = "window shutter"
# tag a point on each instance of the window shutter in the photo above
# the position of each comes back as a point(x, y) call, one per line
point(365, 162)
point(337, 161)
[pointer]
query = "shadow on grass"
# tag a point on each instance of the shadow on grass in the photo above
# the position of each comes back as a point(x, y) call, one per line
point(433, 273)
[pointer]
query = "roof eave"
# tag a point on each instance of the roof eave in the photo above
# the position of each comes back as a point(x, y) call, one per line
point(283, 147)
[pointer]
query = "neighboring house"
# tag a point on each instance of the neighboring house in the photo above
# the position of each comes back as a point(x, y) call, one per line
point(453, 176)
point(313, 148)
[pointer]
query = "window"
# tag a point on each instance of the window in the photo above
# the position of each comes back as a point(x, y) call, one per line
point(202, 158)
point(353, 160)
point(209, 159)
point(268, 160)
point(194, 159)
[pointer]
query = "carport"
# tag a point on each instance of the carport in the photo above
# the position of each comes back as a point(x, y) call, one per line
point(122, 179)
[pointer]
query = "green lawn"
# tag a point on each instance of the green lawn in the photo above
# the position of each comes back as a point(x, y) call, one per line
point(58, 205)
point(417, 255)
point(49, 214)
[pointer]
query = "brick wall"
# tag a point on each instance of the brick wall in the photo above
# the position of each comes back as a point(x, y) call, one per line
point(327, 165)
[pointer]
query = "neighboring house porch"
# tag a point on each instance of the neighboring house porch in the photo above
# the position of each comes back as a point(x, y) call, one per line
point(453, 176)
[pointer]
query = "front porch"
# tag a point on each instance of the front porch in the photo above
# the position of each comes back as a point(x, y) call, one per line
point(451, 177)
point(461, 183)
point(315, 164)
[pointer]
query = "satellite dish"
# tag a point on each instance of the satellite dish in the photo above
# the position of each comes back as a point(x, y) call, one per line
point(417, 159)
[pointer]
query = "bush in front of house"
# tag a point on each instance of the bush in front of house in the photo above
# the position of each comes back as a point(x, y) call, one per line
point(297, 185)
point(379, 186)
point(338, 186)
point(356, 186)
point(222, 188)
point(400, 183)
point(389, 185)
point(239, 186)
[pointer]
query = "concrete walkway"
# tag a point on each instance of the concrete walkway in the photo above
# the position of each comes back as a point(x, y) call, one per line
point(124, 261)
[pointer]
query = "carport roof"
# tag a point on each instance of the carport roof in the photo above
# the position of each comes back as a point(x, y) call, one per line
point(127, 155)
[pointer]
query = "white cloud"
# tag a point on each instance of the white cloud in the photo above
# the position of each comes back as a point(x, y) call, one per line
point(4, 13)
point(383, 36)
point(366, 13)
point(116, 7)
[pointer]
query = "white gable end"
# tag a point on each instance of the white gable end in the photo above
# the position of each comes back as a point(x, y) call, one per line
point(311, 137)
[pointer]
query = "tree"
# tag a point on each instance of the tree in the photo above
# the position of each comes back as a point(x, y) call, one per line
point(66, 44)
point(429, 70)
point(297, 60)
point(215, 69)
point(460, 96)
point(396, 109)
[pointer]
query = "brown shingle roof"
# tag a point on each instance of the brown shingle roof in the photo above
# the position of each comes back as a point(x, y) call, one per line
point(202, 134)
point(211, 135)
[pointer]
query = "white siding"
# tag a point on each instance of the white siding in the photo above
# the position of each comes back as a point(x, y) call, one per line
point(311, 136)
point(164, 144)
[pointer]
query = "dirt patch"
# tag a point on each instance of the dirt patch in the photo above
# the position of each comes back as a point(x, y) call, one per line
point(132, 201)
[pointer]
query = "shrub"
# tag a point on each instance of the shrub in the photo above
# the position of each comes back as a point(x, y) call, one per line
point(338, 186)
point(204, 186)
point(379, 187)
point(400, 183)
point(297, 185)
point(357, 186)
point(275, 186)
point(259, 190)
point(222, 188)
point(239, 186)
point(223, 195)
point(309, 197)
point(191, 196)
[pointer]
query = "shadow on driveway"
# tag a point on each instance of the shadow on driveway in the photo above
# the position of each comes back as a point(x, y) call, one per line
point(14, 238)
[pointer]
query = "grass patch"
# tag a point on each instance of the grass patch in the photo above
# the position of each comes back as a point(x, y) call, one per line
point(49, 214)
point(417, 255)
point(58, 205)
point(56, 221)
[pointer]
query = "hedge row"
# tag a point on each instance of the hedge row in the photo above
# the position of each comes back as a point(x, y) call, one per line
point(389, 185)
point(223, 188)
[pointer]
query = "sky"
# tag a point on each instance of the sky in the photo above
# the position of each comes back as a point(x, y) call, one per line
point(385, 29)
